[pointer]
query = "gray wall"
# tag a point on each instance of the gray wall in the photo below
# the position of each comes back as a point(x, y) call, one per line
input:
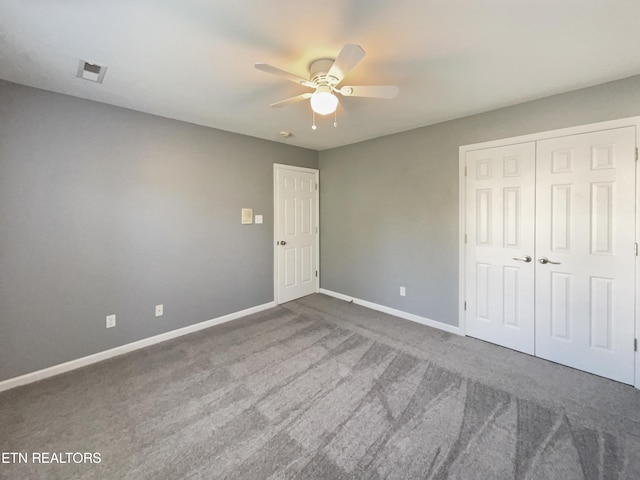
point(105, 210)
point(389, 206)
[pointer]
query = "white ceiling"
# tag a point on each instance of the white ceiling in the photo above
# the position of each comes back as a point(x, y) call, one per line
point(192, 60)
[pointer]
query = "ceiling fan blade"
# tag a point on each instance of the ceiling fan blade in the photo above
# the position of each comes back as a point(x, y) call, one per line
point(348, 58)
point(288, 101)
point(265, 67)
point(373, 91)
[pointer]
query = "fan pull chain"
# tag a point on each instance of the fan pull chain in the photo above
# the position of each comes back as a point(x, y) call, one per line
point(313, 125)
point(335, 118)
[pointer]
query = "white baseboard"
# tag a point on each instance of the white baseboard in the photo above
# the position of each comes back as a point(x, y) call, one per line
point(396, 313)
point(129, 347)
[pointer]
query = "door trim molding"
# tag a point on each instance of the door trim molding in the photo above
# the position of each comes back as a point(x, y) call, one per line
point(276, 217)
point(535, 137)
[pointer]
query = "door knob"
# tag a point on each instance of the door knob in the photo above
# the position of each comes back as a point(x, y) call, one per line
point(525, 259)
point(545, 260)
point(282, 242)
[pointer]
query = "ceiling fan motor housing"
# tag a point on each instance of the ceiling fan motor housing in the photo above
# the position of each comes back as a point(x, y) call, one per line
point(318, 72)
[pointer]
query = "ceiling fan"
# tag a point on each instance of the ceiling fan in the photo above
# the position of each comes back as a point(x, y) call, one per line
point(325, 74)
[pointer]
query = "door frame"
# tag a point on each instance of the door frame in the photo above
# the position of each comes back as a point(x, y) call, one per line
point(276, 219)
point(534, 137)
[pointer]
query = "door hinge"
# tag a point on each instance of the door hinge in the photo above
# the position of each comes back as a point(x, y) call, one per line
point(465, 238)
point(465, 305)
point(316, 273)
point(316, 186)
point(635, 344)
point(636, 154)
point(465, 171)
point(635, 249)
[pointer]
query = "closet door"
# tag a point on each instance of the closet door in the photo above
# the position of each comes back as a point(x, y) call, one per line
point(499, 249)
point(585, 224)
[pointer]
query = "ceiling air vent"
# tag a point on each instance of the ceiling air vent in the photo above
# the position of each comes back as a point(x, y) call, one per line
point(91, 71)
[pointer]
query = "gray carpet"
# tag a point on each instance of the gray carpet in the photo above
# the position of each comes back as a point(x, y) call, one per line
point(320, 388)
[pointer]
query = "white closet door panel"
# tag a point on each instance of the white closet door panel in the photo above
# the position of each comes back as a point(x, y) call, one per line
point(585, 196)
point(499, 215)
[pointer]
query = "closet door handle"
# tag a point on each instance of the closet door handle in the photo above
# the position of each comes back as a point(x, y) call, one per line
point(545, 260)
point(525, 259)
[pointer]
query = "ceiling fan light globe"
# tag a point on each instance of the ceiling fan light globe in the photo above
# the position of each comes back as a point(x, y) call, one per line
point(324, 103)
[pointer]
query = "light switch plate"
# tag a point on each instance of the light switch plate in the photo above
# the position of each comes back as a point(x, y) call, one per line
point(258, 218)
point(247, 216)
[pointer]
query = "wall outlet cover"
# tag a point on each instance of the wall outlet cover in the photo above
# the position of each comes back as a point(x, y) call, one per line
point(159, 310)
point(111, 321)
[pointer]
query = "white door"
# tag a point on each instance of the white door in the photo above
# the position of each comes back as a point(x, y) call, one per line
point(500, 245)
point(296, 232)
point(585, 204)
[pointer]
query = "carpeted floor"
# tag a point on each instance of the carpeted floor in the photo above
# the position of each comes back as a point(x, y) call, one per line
point(323, 389)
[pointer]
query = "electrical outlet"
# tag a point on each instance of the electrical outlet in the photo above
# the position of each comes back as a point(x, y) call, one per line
point(159, 310)
point(111, 321)
point(403, 292)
